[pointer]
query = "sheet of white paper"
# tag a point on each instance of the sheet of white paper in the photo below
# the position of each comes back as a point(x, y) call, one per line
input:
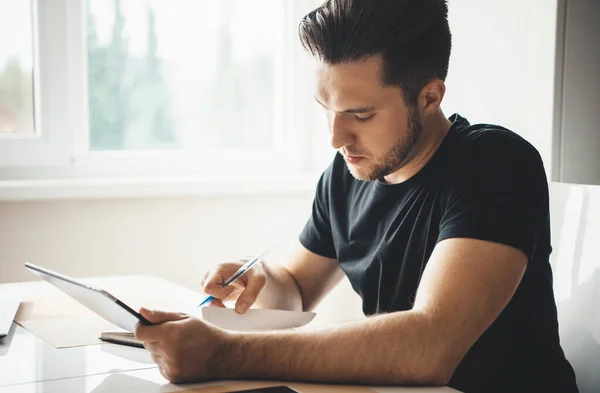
point(72, 331)
point(255, 319)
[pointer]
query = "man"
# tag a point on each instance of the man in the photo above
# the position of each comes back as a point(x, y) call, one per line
point(442, 228)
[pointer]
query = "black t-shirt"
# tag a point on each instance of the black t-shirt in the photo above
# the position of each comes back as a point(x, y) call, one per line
point(484, 182)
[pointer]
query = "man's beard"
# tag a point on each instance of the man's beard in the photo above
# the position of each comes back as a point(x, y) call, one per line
point(398, 155)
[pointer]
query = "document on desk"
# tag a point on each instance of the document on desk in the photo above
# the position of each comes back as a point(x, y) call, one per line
point(255, 319)
point(61, 321)
point(71, 331)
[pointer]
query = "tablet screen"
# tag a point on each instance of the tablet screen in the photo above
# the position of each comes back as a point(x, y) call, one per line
point(97, 300)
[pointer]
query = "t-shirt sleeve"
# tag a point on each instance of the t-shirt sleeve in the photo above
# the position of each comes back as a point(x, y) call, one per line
point(317, 235)
point(500, 194)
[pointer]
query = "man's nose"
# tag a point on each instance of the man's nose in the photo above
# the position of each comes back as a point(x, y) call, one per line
point(340, 134)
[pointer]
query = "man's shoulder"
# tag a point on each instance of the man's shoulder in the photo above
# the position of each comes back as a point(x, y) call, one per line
point(480, 146)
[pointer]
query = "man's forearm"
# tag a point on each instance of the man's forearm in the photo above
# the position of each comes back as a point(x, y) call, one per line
point(281, 291)
point(395, 348)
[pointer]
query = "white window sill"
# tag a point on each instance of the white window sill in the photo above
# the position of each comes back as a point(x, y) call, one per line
point(154, 187)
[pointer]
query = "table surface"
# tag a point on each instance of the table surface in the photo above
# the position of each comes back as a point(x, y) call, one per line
point(29, 364)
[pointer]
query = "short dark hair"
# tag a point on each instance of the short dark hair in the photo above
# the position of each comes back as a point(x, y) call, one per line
point(412, 36)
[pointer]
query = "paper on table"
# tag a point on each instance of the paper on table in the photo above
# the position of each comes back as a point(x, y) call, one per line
point(53, 304)
point(70, 331)
point(255, 319)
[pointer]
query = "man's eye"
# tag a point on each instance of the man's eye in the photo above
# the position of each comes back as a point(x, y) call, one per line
point(363, 119)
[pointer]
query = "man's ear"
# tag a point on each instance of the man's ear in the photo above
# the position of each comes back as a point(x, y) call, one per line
point(431, 96)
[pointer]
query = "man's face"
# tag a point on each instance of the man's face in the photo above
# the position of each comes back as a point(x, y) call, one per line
point(369, 124)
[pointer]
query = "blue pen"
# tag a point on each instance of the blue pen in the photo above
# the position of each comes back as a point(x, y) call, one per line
point(245, 267)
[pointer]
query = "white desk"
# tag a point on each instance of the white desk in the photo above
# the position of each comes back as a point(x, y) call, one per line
point(30, 365)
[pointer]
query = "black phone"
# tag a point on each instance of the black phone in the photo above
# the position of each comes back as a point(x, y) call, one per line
point(271, 389)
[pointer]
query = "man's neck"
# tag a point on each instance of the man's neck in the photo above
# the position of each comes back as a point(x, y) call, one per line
point(433, 133)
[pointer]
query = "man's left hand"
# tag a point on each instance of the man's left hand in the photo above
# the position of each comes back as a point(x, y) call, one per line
point(182, 346)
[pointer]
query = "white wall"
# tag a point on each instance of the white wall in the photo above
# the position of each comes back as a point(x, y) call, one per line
point(178, 239)
point(502, 66)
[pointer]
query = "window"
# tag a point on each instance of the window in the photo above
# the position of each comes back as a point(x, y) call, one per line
point(16, 69)
point(195, 74)
point(150, 88)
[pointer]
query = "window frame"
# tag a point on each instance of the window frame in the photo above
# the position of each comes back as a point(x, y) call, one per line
point(60, 150)
point(42, 147)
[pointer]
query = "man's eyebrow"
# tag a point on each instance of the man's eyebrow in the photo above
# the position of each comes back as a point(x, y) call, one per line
point(353, 110)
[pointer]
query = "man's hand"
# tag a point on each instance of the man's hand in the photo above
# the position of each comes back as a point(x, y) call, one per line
point(243, 291)
point(182, 346)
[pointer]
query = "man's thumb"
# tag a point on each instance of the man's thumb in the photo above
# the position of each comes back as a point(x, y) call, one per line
point(158, 317)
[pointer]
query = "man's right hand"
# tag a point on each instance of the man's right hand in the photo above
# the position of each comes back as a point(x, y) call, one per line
point(243, 291)
point(298, 285)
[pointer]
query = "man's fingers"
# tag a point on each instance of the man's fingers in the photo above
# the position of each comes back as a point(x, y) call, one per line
point(255, 284)
point(153, 332)
point(248, 286)
point(152, 346)
point(216, 303)
point(147, 333)
point(203, 281)
point(213, 285)
point(156, 358)
point(158, 317)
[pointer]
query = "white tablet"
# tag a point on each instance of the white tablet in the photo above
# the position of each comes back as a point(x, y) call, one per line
point(97, 300)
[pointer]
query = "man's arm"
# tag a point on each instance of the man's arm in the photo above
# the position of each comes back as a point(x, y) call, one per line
point(301, 283)
point(464, 287)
